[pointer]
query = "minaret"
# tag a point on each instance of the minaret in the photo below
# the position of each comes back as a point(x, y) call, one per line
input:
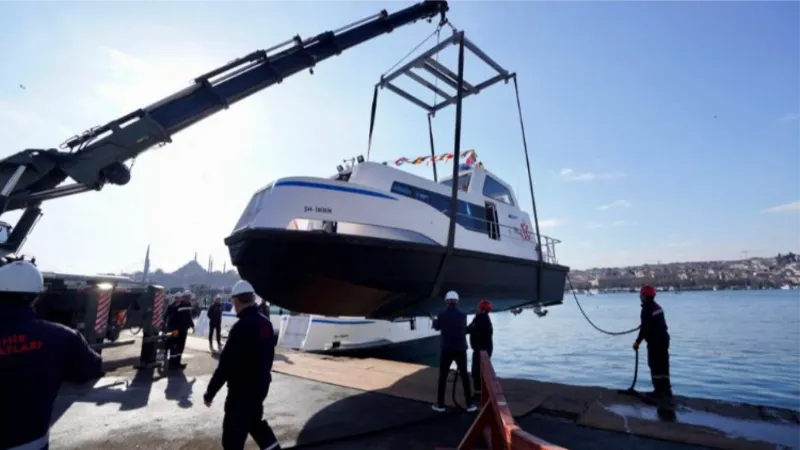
point(146, 270)
point(224, 266)
point(210, 264)
point(195, 256)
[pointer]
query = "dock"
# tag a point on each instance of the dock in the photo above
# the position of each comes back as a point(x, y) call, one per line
point(338, 403)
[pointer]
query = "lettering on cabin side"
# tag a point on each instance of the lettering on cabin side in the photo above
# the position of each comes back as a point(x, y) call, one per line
point(17, 344)
point(318, 209)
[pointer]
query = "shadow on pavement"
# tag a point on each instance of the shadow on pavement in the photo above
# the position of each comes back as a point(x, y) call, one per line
point(388, 418)
point(179, 388)
point(130, 395)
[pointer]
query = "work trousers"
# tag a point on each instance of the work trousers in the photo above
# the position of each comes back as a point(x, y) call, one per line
point(447, 358)
point(658, 360)
point(212, 327)
point(243, 418)
point(476, 369)
point(176, 346)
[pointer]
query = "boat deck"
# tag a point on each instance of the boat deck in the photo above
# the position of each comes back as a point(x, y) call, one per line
point(335, 403)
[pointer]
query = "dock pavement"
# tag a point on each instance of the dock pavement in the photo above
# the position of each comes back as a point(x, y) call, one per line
point(339, 403)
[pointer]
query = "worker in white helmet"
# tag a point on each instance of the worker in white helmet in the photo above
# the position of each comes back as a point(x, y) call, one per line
point(35, 357)
point(179, 321)
point(246, 365)
point(453, 325)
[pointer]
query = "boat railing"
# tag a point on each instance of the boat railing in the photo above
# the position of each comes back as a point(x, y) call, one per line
point(516, 235)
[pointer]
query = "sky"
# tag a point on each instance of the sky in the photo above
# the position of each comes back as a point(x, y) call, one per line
point(657, 131)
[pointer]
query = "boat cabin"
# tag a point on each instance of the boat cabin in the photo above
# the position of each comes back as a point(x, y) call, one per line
point(486, 203)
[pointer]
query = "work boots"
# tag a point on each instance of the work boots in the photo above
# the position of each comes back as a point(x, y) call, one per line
point(663, 389)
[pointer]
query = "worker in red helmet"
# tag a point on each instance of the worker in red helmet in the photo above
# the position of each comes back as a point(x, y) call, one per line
point(653, 329)
point(480, 338)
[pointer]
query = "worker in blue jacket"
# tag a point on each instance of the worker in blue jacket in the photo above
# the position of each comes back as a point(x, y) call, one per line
point(246, 365)
point(179, 320)
point(480, 339)
point(653, 329)
point(453, 325)
point(35, 357)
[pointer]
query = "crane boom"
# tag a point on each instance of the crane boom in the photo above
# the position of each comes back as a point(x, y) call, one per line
point(97, 157)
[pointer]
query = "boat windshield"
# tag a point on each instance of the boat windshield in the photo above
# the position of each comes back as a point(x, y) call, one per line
point(494, 190)
point(463, 182)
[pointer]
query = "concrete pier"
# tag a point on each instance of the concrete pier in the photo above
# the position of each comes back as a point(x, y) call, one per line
point(333, 403)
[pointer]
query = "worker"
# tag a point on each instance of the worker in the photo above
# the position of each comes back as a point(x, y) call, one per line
point(35, 357)
point(246, 365)
point(480, 338)
point(214, 315)
point(263, 308)
point(453, 325)
point(179, 321)
point(653, 329)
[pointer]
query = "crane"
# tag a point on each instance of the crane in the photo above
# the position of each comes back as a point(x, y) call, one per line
point(97, 157)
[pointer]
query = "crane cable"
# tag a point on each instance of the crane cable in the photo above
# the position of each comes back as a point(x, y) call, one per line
point(378, 86)
point(610, 333)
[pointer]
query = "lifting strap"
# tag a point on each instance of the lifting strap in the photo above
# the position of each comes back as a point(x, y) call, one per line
point(433, 149)
point(540, 265)
point(372, 119)
point(453, 210)
point(436, 32)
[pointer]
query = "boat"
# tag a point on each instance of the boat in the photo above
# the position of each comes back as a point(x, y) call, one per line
point(369, 241)
point(407, 339)
point(375, 241)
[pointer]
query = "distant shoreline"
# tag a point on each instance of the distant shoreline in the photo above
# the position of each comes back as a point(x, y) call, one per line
point(674, 290)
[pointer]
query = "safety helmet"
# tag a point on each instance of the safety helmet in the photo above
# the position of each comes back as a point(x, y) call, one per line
point(242, 287)
point(21, 277)
point(647, 291)
point(451, 297)
point(485, 305)
point(187, 293)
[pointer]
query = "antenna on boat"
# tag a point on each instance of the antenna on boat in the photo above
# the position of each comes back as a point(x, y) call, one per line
point(349, 163)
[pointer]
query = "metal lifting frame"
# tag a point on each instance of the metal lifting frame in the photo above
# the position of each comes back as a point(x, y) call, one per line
point(427, 62)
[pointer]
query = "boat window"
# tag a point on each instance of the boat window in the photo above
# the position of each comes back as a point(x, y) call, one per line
point(495, 190)
point(402, 189)
point(463, 182)
point(252, 208)
point(469, 216)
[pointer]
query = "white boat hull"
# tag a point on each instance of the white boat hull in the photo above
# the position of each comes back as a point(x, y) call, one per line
point(344, 335)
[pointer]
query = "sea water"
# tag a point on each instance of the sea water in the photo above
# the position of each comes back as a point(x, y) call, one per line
point(741, 346)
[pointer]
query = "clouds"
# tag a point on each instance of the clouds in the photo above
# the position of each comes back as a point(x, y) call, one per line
point(551, 223)
point(784, 208)
point(571, 175)
point(618, 204)
point(789, 118)
point(594, 225)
